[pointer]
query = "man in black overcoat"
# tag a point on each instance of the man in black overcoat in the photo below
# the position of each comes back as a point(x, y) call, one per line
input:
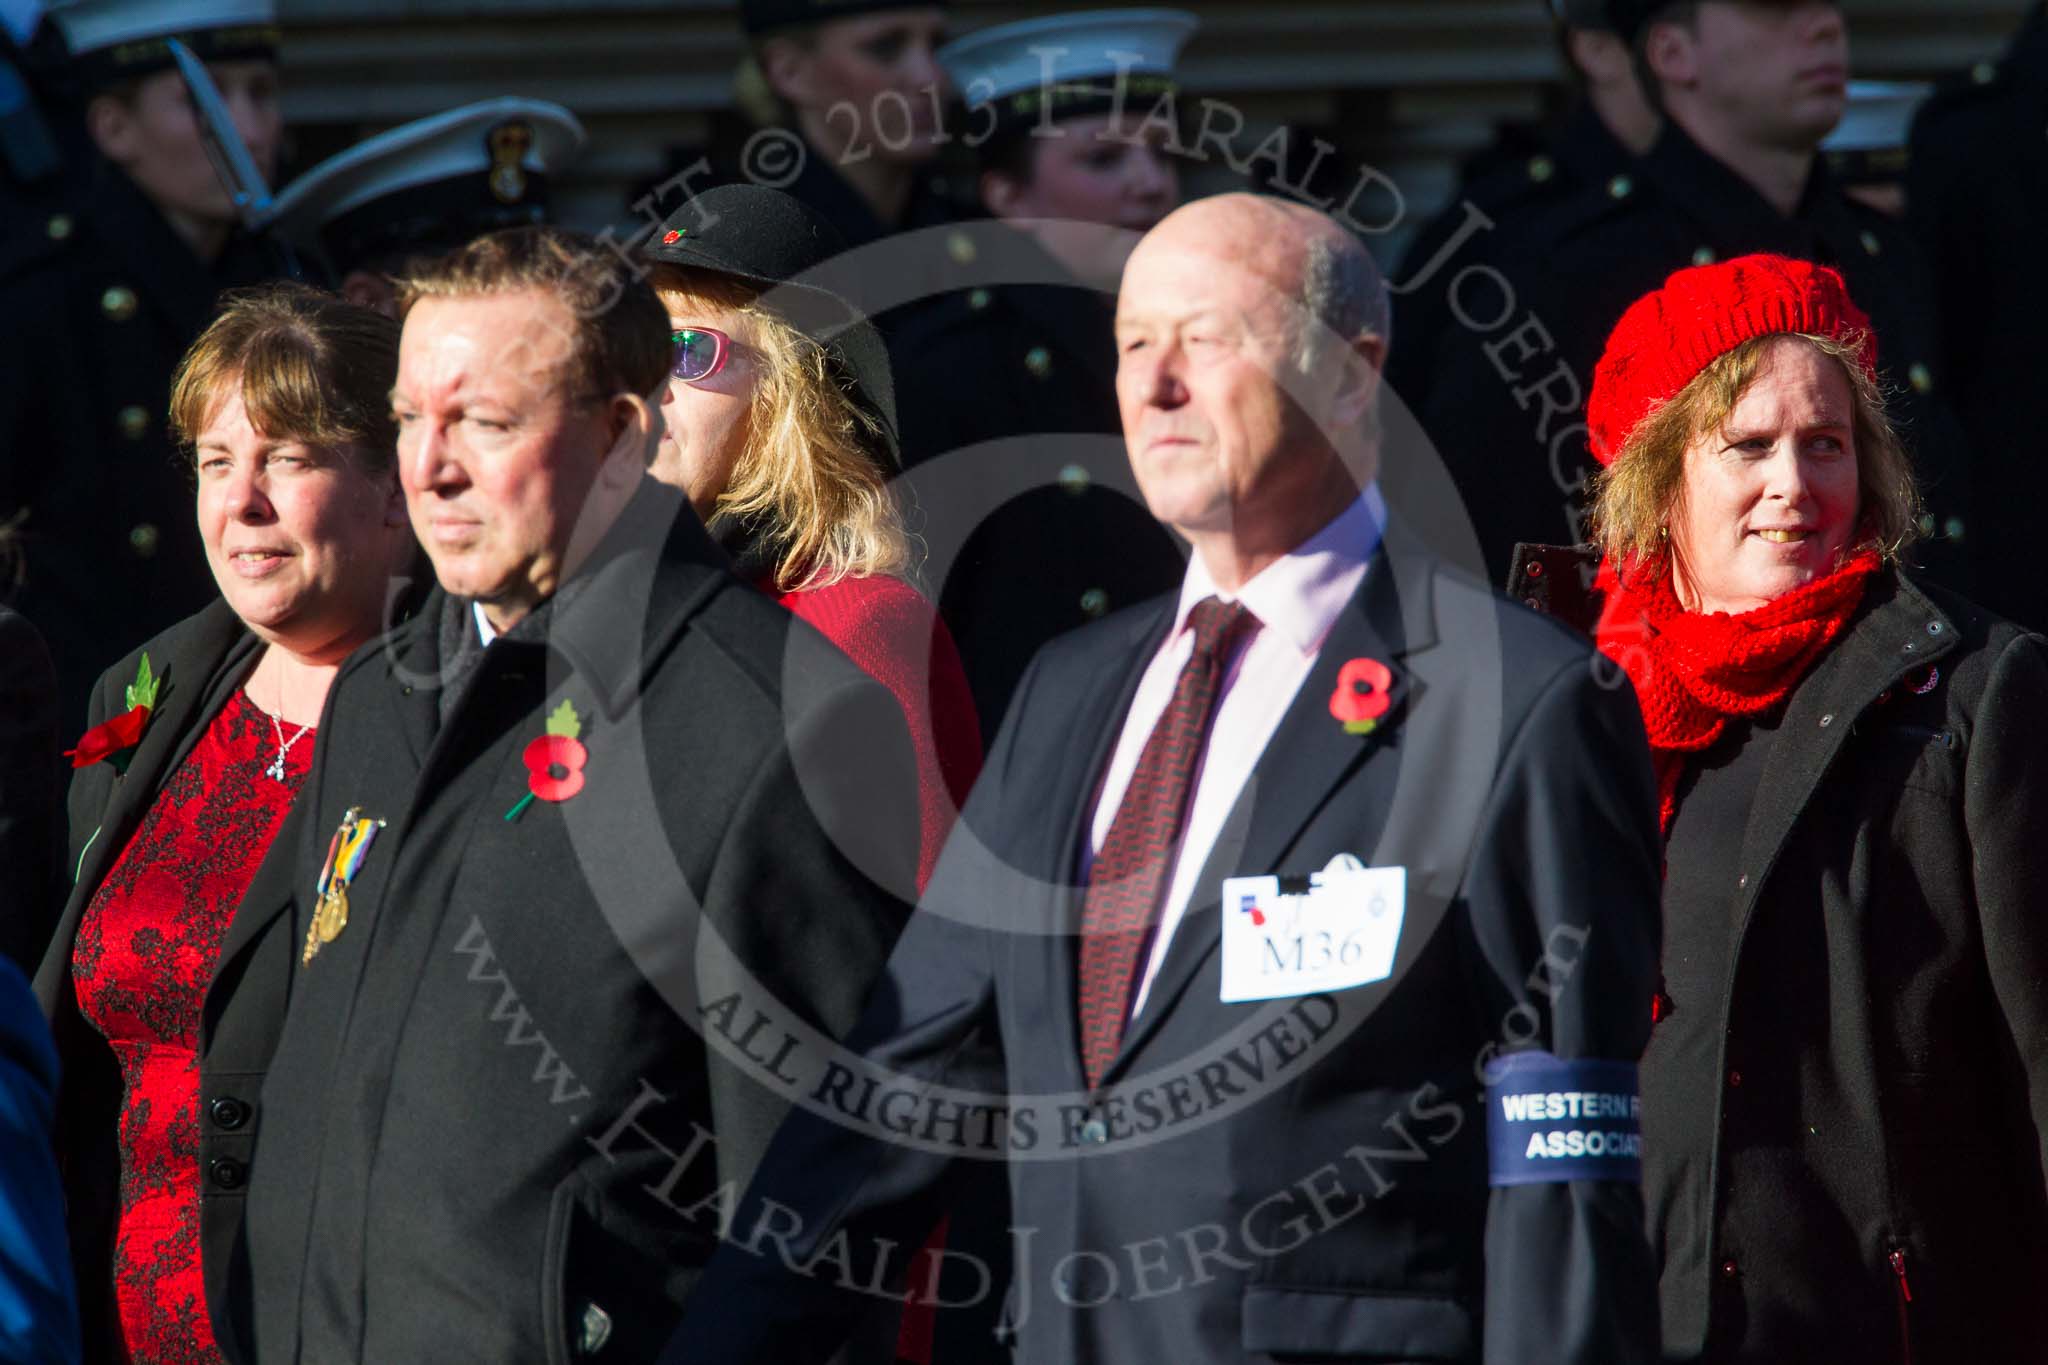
point(1275, 896)
point(1748, 93)
point(595, 793)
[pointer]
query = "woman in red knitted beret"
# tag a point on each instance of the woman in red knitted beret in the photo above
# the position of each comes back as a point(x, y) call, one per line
point(1846, 1092)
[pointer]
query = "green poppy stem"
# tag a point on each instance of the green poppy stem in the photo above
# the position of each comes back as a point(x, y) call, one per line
point(524, 802)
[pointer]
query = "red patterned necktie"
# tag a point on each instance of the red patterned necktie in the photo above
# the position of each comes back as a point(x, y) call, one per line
point(1131, 870)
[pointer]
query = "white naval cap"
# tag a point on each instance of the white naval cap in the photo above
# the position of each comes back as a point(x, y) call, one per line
point(1879, 114)
point(1073, 62)
point(431, 184)
point(19, 18)
point(100, 25)
point(1870, 141)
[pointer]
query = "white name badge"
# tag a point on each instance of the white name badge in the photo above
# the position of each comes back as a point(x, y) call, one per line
point(1328, 931)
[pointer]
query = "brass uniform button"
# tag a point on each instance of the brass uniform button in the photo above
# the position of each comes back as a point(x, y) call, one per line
point(1920, 377)
point(1038, 360)
point(1703, 256)
point(977, 299)
point(1621, 187)
point(1094, 602)
point(1926, 523)
point(960, 247)
point(143, 540)
point(59, 226)
point(1541, 168)
point(1953, 529)
point(133, 421)
point(1983, 73)
point(1074, 478)
point(119, 303)
point(1871, 246)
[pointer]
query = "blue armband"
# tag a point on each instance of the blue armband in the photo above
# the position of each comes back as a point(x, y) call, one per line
point(1549, 1120)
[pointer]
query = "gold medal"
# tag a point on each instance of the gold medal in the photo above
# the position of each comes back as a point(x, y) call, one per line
point(344, 856)
point(330, 917)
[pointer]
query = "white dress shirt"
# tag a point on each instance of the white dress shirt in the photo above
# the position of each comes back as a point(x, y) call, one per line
point(1296, 600)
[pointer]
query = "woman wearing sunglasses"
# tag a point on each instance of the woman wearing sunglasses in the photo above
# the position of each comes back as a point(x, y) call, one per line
point(780, 421)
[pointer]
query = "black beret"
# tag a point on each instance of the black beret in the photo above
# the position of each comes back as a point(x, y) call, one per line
point(770, 239)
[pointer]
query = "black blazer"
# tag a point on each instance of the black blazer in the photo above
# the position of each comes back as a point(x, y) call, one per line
point(201, 660)
point(1297, 1179)
point(31, 793)
point(493, 1104)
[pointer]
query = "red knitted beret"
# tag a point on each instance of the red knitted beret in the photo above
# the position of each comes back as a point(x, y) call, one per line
point(1670, 334)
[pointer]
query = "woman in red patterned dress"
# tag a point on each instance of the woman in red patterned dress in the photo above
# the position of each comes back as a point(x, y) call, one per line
point(284, 404)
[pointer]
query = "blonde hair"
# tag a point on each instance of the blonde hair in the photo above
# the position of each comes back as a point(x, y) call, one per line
point(1634, 497)
point(811, 480)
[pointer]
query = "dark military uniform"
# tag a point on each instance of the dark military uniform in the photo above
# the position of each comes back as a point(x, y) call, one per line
point(1514, 369)
point(1517, 176)
point(1977, 196)
point(1045, 531)
point(834, 198)
point(33, 146)
point(100, 307)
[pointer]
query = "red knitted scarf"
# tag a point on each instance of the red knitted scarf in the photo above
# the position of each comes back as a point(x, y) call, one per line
point(1693, 671)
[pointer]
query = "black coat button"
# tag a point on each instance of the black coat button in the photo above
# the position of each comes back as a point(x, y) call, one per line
point(230, 1113)
point(228, 1173)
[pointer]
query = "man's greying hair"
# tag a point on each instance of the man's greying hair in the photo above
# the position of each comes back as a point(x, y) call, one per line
point(1343, 296)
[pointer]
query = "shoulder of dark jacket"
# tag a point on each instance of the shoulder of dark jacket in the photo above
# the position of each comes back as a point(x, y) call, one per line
point(31, 252)
point(1557, 581)
point(1582, 217)
point(199, 642)
point(1975, 627)
point(1964, 98)
point(1960, 104)
point(1126, 629)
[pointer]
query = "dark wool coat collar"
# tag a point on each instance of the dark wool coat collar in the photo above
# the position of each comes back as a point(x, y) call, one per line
point(610, 623)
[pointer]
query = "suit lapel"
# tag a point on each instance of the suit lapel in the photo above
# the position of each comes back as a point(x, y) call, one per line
point(194, 684)
point(1308, 758)
point(194, 688)
point(404, 658)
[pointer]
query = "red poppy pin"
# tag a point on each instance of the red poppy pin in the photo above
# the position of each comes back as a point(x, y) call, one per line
point(554, 762)
point(1365, 689)
point(115, 741)
point(672, 236)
